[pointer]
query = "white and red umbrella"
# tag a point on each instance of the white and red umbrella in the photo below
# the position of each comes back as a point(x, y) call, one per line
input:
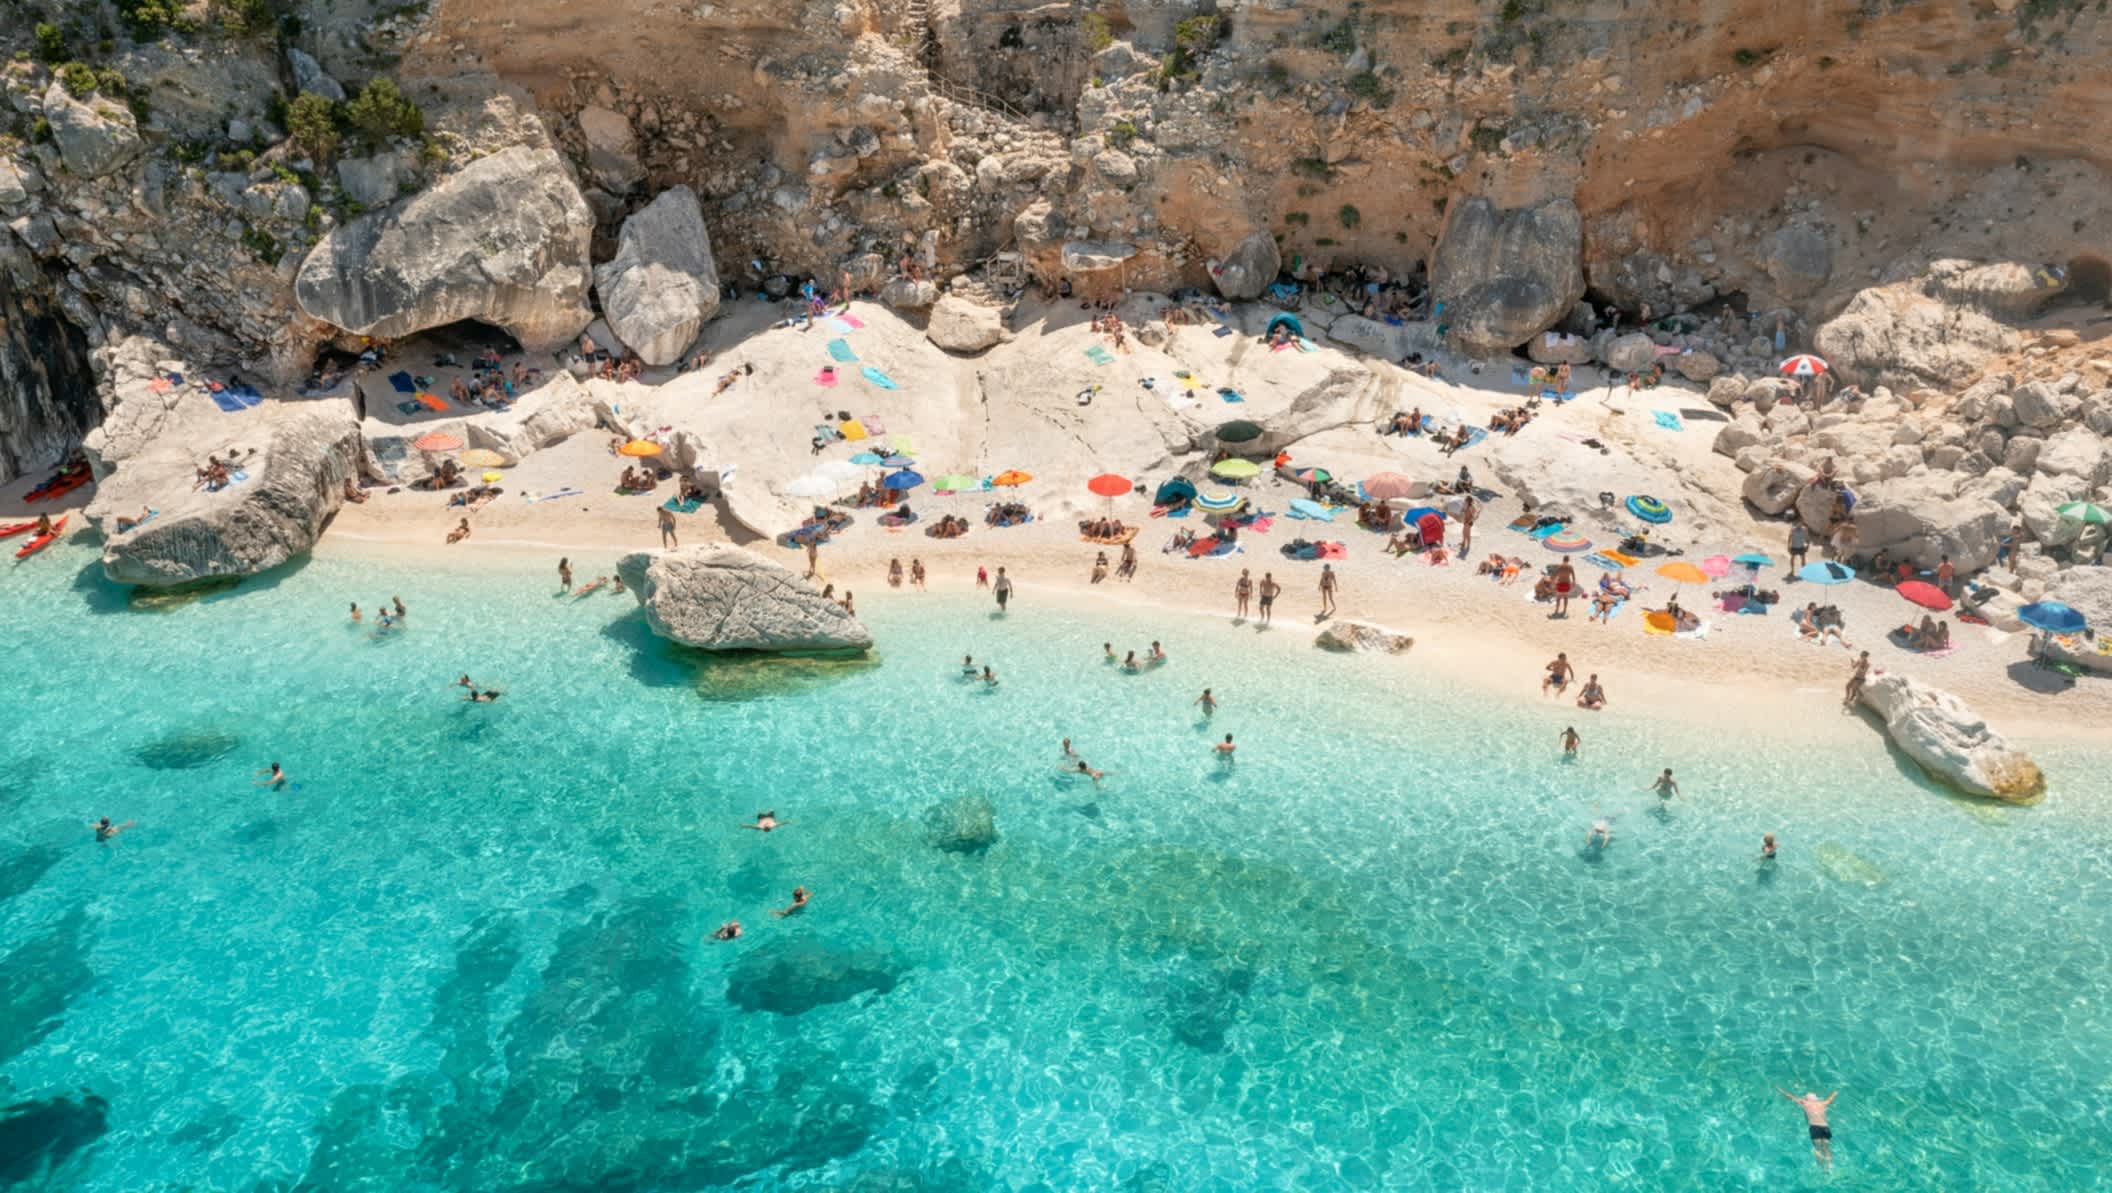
point(1804, 365)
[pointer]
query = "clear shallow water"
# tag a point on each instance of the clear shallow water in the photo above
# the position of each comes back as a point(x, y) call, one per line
point(467, 952)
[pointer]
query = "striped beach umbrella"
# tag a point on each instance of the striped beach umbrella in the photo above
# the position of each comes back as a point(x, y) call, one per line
point(1803, 365)
point(1219, 503)
point(2083, 511)
point(1649, 509)
point(1566, 542)
point(437, 441)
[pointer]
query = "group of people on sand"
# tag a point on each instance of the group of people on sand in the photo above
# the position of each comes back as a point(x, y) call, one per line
point(1407, 422)
point(489, 384)
point(1126, 570)
point(1510, 420)
point(1822, 624)
point(1008, 513)
point(948, 527)
point(1592, 696)
point(216, 474)
point(1106, 530)
point(1930, 635)
point(1111, 326)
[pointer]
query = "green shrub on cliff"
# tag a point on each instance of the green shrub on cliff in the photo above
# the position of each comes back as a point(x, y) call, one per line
point(311, 123)
point(51, 43)
point(244, 18)
point(147, 19)
point(1098, 33)
point(381, 111)
point(78, 79)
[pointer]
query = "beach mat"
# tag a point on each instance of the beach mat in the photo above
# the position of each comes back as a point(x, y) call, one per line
point(841, 350)
point(553, 496)
point(1305, 345)
point(1547, 531)
point(403, 382)
point(1231, 395)
point(683, 507)
point(840, 325)
point(1222, 331)
point(851, 321)
point(825, 377)
point(1668, 420)
point(878, 378)
point(432, 401)
point(226, 401)
point(1099, 355)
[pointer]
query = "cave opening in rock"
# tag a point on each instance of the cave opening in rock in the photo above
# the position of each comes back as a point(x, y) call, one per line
point(2089, 281)
point(422, 369)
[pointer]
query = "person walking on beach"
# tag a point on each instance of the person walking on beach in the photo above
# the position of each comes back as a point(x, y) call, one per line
point(1814, 1108)
point(1856, 679)
point(1003, 588)
point(813, 559)
point(1467, 512)
point(667, 528)
point(1127, 569)
point(1799, 545)
point(1665, 787)
point(1327, 589)
point(894, 572)
point(916, 572)
point(1268, 590)
point(1570, 742)
point(1559, 673)
point(1207, 701)
point(564, 574)
point(1242, 589)
point(1565, 579)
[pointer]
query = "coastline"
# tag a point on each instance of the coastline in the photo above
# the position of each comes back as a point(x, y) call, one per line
point(1467, 630)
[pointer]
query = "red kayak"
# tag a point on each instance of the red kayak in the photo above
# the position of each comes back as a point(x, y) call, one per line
point(12, 529)
point(43, 540)
point(59, 488)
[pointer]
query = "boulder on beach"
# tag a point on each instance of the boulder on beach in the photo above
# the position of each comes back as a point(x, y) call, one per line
point(1507, 274)
point(1918, 518)
point(958, 325)
point(725, 598)
point(1248, 269)
point(1631, 353)
point(505, 240)
point(1361, 637)
point(662, 284)
point(1950, 742)
point(288, 490)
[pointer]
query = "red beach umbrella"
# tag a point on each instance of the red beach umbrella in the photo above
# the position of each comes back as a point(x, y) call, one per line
point(1107, 484)
point(1804, 365)
point(1925, 594)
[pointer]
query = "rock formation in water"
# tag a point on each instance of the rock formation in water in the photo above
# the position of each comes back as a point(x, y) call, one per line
point(1950, 742)
point(723, 598)
point(1361, 637)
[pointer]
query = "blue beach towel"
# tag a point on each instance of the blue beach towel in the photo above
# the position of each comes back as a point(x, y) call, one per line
point(403, 382)
point(408, 408)
point(840, 350)
point(1546, 531)
point(1222, 331)
point(1099, 355)
point(245, 393)
point(1305, 345)
point(683, 507)
point(1231, 395)
point(838, 326)
point(878, 378)
point(227, 401)
point(1668, 420)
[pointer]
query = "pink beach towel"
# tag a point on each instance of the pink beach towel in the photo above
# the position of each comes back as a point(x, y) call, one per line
point(1333, 551)
point(873, 426)
point(1261, 525)
point(825, 377)
point(851, 319)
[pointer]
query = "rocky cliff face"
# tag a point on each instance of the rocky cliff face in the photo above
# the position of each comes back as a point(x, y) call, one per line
point(48, 397)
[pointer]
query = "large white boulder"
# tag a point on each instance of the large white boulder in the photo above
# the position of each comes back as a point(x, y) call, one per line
point(958, 325)
point(724, 598)
point(1631, 353)
point(1386, 341)
point(1248, 269)
point(295, 481)
point(506, 240)
point(1919, 519)
point(1950, 742)
point(1559, 348)
point(2087, 590)
point(2076, 452)
point(1937, 329)
point(612, 149)
point(95, 135)
point(662, 285)
point(1507, 274)
point(1773, 488)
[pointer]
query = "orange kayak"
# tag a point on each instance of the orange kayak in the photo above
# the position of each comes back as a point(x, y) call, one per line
point(14, 528)
point(43, 540)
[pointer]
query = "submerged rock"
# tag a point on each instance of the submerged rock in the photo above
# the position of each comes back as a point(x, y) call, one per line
point(1950, 741)
point(505, 240)
point(187, 751)
point(36, 1137)
point(1361, 636)
point(797, 979)
point(725, 598)
point(662, 284)
point(964, 825)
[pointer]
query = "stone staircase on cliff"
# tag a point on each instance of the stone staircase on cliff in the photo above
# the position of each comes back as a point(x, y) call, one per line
point(916, 35)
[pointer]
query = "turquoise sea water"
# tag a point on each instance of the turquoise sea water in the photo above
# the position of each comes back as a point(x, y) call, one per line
point(468, 951)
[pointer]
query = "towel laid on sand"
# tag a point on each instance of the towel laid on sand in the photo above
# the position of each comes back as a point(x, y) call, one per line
point(1668, 420)
point(878, 378)
point(403, 383)
point(552, 496)
point(841, 350)
point(683, 507)
point(227, 401)
point(1305, 345)
point(1099, 355)
point(825, 377)
point(432, 401)
point(1222, 331)
point(1231, 395)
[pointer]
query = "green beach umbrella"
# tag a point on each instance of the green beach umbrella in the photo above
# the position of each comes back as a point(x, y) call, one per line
point(1236, 470)
point(1239, 430)
point(2083, 511)
point(957, 481)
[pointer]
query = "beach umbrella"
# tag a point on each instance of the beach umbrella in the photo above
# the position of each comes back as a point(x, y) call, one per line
point(2051, 616)
point(1717, 565)
point(1306, 508)
point(1826, 573)
point(898, 460)
point(1679, 571)
point(1239, 430)
point(640, 447)
point(851, 429)
point(954, 482)
point(1566, 542)
point(1236, 470)
point(492, 476)
point(1107, 484)
point(2083, 511)
point(903, 480)
point(1011, 477)
point(437, 441)
point(1387, 486)
point(1754, 559)
point(1307, 476)
point(1219, 503)
point(1416, 515)
point(868, 459)
point(1925, 594)
point(1649, 509)
point(1803, 365)
point(481, 457)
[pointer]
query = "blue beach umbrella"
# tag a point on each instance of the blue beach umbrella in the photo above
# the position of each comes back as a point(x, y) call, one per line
point(2053, 617)
point(1220, 503)
point(1754, 559)
point(867, 458)
point(898, 460)
point(1307, 508)
point(1414, 517)
point(1826, 572)
point(902, 480)
point(1649, 509)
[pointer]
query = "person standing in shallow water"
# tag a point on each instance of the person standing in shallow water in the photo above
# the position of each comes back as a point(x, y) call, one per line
point(1241, 591)
point(564, 574)
point(1003, 588)
point(1267, 592)
point(1327, 590)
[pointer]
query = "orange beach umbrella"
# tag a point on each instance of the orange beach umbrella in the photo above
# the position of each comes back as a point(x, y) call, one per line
point(1682, 572)
point(1107, 484)
point(640, 447)
point(1011, 476)
point(436, 441)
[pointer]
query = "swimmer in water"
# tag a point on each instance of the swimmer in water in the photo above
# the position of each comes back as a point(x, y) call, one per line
point(1224, 749)
point(799, 903)
point(968, 666)
point(1601, 834)
point(767, 822)
point(1090, 773)
point(104, 830)
point(1767, 847)
point(1570, 742)
point(355, 611)
point(1158, 653)
point(1208, 702)
point(476, 697)
point(466, 682)
point(1068, 752)
point(729, 930)
point(1131, 663)
point(989, 676)
point(274, 777)
point(1665, 787)
point(1108, 649)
